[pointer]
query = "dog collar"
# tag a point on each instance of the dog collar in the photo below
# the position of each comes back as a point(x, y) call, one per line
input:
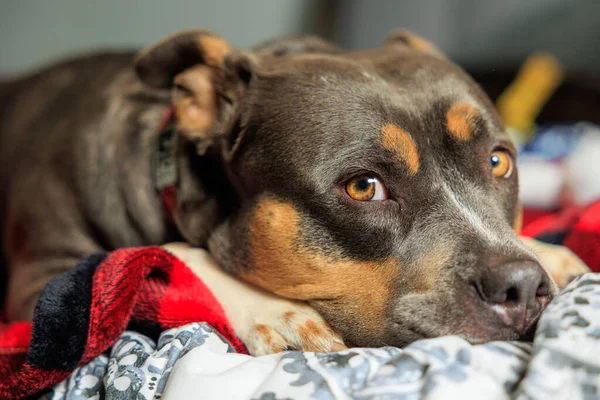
point(165, 165)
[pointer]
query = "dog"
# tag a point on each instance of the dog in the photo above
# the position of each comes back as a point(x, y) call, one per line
point(328, 198)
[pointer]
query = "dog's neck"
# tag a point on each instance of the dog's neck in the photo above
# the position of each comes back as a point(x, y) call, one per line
point(193, 189)
point(165, 165)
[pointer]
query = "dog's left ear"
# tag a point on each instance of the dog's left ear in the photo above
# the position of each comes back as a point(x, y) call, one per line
point(208, 79)
point(295, 44)
point(405, 38)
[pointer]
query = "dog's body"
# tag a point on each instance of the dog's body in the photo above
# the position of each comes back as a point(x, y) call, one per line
point(89, 188)
point(270, 155)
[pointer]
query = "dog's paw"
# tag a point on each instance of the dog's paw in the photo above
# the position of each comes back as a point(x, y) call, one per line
point(285, 326)
point(558, 261)
point(264, 322)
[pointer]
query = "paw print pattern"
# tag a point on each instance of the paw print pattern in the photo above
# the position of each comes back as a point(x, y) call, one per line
point(562, 362)
point(566, 349)
point(86, 382)
point(136, 368)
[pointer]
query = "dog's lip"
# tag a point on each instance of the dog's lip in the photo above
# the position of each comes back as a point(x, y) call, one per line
point(477, 333)
point(498, 329)
point(521, 325)
point(416, 333)
point(421, 334)
point(528, 318)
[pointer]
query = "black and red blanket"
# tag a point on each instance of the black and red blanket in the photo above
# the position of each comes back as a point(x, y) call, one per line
point(81, 313)
point(84, 311)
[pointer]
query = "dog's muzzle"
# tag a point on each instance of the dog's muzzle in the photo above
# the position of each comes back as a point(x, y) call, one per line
point(517, 292)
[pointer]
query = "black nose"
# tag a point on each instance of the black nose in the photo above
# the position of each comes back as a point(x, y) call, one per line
point(517, 292)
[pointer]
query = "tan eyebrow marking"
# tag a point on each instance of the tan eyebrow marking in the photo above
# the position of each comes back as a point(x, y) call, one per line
point(461, 121)
point(398, 141)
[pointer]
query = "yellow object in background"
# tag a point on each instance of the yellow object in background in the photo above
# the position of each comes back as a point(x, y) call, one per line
point(522, 101)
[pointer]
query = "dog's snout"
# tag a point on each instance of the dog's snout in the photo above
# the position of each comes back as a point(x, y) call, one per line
point(514, 283)
point(517, 292)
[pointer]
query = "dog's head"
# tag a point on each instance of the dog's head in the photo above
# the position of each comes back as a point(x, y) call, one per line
point(379, 186)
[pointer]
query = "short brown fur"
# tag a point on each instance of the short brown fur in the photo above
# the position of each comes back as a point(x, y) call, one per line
point(461, 120)
point(281, 264)
point(398, 141)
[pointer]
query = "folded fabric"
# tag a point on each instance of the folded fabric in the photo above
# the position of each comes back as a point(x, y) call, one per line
point(577, 228)
point(194, 361)
point(82, 313)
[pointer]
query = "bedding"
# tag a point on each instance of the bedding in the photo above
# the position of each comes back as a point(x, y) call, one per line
point(83, 312)
point(118, 320)
point(194, 361)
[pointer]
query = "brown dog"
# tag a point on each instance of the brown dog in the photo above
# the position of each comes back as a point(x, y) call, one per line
point(377, 186)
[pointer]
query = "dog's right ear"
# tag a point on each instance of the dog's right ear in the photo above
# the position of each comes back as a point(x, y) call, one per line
point(207, 78)
point(159, 64)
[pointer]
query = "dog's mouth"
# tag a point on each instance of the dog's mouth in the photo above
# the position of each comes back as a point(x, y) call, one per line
point(520, 318)
point(470, 318)
point(475, 334)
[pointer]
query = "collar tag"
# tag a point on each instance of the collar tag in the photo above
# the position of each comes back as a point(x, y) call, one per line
point(166, 167)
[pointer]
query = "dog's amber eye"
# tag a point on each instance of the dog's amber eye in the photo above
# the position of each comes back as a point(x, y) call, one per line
point(366, 188)
point(502, 164)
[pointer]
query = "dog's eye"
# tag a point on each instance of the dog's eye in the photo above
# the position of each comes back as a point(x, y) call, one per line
point(366, 188)
point(502, 164)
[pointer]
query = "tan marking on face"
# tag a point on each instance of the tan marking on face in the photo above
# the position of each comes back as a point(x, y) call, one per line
point(213, 49)
point(282, 265)
point(428, 269)
point(460, 121)
point(518, 222)
point(398, 141)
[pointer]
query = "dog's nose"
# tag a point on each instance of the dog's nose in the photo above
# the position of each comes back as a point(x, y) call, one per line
point(517, 292)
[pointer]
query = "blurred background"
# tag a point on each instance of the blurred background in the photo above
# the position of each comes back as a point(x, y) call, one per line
point(490, 38)
point(475, 33)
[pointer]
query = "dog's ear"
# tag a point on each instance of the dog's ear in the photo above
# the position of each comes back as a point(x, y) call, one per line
point(296, 44)
point(207, 78)
point(402, 37)
point(158, 64)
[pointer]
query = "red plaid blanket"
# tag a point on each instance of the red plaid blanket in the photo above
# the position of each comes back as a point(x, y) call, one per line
point(577, 228)
point(82, 312)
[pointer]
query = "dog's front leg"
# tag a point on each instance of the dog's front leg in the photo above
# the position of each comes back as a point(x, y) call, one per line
point(559, 262)
point(265, 322)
